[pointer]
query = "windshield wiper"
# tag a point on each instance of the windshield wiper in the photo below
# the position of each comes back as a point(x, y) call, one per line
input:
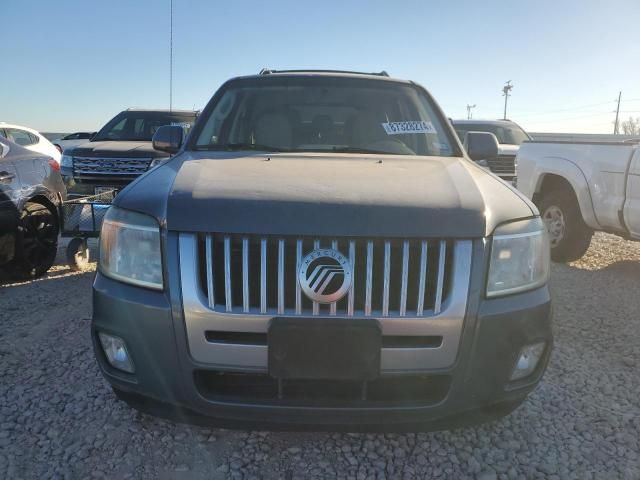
point(357, 150)
point(243, 146)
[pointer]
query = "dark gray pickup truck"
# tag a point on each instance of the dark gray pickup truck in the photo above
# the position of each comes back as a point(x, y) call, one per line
point(322, 252)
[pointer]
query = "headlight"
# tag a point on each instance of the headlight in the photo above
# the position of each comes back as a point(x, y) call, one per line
point(519, 258)
point(66, 161)
point(130, 248)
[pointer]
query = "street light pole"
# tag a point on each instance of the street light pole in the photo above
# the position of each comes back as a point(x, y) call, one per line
point(506, 92)
point(469, 107)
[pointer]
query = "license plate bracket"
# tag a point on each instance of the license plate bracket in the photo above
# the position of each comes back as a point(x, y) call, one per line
point(324, 348)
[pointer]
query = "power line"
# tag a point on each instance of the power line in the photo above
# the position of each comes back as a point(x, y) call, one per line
point(562, 110)
point(554, 120)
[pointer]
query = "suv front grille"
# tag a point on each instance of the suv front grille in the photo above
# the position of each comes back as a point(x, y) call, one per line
point(503, 165)
point(259, 275)
point(127, 167)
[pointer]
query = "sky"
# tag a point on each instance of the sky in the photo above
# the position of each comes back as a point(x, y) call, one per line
point(73, 64)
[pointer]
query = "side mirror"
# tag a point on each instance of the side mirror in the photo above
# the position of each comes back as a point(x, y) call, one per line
point(168, 138)
point(481, 145)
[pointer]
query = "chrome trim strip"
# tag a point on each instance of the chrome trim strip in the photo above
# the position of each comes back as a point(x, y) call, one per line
point(227, 273)
point(441, 256)
point(405, 278)
point(245, 274)
point(280, 276)
point(423, 277)
point(263, 275)
point(352, 260)
point(386, 279)
point(369, 279)
point(210, 283)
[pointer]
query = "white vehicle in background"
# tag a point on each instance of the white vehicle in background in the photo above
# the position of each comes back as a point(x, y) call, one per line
point(509, 136)
point(29, 139)
point(580, 188)
point(72, 140)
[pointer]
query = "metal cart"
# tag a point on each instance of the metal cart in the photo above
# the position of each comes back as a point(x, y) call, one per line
point(81, 219)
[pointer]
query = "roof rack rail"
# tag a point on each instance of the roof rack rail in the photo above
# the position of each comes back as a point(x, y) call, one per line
point(267, 71)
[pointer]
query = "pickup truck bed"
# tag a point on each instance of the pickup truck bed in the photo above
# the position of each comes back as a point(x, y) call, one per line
point(580, 188)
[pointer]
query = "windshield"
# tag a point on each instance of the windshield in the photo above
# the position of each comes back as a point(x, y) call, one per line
point(508, 135)
point(140, 126)
point(324, 114)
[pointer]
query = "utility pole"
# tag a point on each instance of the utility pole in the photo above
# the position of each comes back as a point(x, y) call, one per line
point(615, 125)
point(506, 93)
point(469, 107)
point(171, 55)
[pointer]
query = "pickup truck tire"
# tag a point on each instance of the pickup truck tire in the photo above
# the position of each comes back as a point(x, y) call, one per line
point(570, 237)
point(36, 242)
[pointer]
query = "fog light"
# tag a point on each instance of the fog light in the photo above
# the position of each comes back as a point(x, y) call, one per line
point(116, 351)
point(528, 360)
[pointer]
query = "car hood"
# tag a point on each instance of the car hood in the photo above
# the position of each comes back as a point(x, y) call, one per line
point(116, 149)
point(325, 195)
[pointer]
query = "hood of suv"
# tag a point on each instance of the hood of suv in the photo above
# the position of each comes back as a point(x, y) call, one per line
point(319, 194)
point(117, 149)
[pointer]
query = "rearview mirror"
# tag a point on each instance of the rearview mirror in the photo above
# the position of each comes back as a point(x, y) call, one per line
point(168, 138)
point(481, 145)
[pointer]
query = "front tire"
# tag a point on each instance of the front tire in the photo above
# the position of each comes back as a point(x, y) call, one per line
point(570, 237)
point(36, 242)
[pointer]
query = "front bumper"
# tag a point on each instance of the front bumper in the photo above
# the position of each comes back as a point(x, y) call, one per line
point(153, 326)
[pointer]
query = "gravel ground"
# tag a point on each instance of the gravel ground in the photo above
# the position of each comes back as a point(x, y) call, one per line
point(59, 419)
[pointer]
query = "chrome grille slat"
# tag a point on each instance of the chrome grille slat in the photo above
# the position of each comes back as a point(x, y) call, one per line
point(258, 275)
point(245, 274)
point(211, 298)
point(280, 277)
point(404, 279)
point(350, 295)
point(227, 273)
point(503, 165)
point(386, 279)
point(422, 278)
point(441, 256)
point(298, 288)
point(332, 307)
point(369, 280)
point(263, 275)
point(316, 305)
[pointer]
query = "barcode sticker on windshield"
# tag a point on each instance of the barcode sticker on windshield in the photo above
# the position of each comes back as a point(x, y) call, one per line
point(401, 128)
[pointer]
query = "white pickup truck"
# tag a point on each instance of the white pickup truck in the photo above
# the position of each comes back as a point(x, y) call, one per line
point(580, 188)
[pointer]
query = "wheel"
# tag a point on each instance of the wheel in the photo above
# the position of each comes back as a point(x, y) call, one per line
point(36, 242)
point(78, 253)
point(570, 237)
